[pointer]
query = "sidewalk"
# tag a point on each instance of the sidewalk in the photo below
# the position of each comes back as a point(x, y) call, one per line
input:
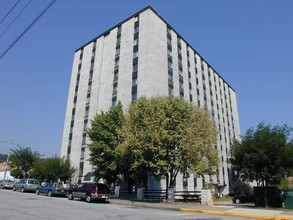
point(217, 209)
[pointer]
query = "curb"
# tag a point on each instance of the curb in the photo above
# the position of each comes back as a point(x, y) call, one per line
point(248, 215)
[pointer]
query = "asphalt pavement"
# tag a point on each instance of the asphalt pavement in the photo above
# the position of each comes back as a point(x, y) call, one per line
point(217, 209)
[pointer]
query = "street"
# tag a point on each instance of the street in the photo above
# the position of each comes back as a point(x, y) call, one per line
point(28, 206)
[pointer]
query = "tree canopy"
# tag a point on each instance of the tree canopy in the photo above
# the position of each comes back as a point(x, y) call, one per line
point(52, 169)
point(264, 154)
point(104, 134)
point(163, 136)
point(23, 159)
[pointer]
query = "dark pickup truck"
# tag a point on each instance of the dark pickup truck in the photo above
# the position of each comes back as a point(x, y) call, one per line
point(89, 192)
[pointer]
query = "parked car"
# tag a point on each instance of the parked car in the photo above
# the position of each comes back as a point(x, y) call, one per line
point(7, 184)
point(243, 198)
point(89, 192)
point(51, 189)
point(26, 185)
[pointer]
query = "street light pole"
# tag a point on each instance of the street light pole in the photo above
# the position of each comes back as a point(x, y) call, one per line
point(7, 161)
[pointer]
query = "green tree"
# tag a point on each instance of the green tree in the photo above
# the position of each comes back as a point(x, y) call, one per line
point(242, 188)
point(163, 136)
point(17, 173)
point(264, 154)
point(104, 136)
point(53, 169)
point(24, 158)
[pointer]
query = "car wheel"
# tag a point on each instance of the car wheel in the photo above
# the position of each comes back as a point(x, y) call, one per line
point(88, 198)
point(37, 192)
point(22, 189)
point(70, 196)
point(237, 201)
point(50, 193)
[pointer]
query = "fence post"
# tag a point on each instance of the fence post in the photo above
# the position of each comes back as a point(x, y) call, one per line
point(170, 194)
point(116, 191)
point(140, 192)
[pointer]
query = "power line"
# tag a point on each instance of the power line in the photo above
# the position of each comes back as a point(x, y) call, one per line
point(21, 35)
point(15, 19)
point(9, 11)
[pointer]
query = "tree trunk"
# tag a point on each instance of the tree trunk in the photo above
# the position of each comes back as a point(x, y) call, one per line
point(266, 193)
point(167, 185)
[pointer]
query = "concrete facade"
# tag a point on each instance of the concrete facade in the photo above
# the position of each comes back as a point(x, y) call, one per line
point(144, 56)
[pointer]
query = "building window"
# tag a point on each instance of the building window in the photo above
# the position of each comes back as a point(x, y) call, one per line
point(81, 169)
point(135, 42)
point(134, 89)
point(135, 36)
point(117, 52)
point(134, 75)
point(170, 77)
point(116, 64)
point(70, 136)
point(135, 61)
point(114, 100)
point(135, 67)
point(86, 115)
point(134, 97)
point(136, 29)
point(181, 93)
point(83, 138)
point(135, 48)
point(134, 82)
point(170, 64)
point(114, 89)
point(88, 98)
point(85, 124)
point(170, 91)
point(82, 153)
point(179, 44)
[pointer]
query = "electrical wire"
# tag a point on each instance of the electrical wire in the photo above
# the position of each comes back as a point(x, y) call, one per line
point(9, 11)
point(21, 35)
point(15, 19)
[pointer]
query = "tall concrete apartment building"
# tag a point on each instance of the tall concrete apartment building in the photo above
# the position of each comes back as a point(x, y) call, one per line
point(144, 56)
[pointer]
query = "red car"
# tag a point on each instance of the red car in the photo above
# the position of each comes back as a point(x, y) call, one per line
point(89, 192)
point(7, 184)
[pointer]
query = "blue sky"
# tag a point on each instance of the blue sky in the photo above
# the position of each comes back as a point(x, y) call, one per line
point(249, 43)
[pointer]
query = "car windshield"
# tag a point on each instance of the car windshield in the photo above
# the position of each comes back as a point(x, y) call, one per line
point(32, 182)
point(58, 185)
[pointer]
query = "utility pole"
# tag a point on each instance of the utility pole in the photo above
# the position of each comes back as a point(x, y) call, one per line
point(7, 161)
